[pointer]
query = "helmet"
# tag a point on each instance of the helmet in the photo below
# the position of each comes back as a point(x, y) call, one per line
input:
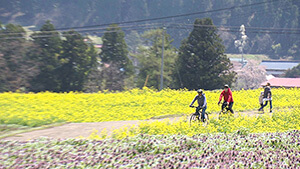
point(200, 91)
point(226, 86)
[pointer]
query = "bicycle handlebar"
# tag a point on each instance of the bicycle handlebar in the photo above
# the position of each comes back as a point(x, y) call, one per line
point(196, 107)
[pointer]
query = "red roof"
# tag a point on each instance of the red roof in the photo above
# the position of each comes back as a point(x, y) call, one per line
point(284, 82)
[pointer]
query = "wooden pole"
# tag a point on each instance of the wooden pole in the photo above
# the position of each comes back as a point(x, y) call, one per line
point(146, 80)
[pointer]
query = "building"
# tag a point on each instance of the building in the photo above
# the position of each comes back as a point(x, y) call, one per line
point(283, 82)
point(278, 68)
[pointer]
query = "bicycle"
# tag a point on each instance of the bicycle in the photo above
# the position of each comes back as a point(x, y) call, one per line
point(196, 117)
point(225, 111)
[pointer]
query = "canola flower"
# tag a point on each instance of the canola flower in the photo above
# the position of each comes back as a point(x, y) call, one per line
point(277, 122)
point(267, 141)
point(37, 109)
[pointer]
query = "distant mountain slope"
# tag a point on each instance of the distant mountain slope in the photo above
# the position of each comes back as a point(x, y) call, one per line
point(256, 14)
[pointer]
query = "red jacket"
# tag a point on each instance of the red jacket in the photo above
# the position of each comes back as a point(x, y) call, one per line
point(227, 96)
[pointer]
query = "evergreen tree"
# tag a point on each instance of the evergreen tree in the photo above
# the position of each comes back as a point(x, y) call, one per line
point(50, 43)
point(77, 61)
point(293, 73)
point(149, 58)
point(17, 67)
point(133, 41)
point(201, 61)
point(114, 55)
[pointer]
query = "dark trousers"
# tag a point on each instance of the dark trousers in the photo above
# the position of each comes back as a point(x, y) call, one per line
point(264, 105)
point(229, 106)
point(202, 112)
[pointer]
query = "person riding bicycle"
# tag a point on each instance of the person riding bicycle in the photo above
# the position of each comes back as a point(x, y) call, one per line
point(200, 97)
point(228, 100)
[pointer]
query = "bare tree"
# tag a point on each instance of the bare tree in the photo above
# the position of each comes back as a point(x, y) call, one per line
point(241, 43)
point(250, 76)
point(17, 67)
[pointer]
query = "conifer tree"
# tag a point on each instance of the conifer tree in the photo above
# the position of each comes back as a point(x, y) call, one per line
point(293, 73)
point(77, 60)
point(149, 57)
point(114, 56)
point(201, 61)
point(49, 42)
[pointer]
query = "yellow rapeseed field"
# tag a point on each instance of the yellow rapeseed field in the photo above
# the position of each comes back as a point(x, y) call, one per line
point(36, 109)
point(243, 125)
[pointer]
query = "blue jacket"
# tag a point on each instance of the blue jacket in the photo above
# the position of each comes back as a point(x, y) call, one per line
point(201, 100)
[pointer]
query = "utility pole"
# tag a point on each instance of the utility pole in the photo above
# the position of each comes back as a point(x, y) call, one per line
point(162, 59)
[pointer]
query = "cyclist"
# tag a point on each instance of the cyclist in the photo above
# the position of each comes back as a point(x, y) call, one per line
point(228, 100)
point(200, 97)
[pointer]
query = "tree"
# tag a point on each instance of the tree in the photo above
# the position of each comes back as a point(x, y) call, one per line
point(133, 41)
point(249, 76)
point(149, 57)
point(17, 66)
point(114, 55)
point(293, 73)
point(241, 43)
point(201, 61)
point(272, 15)
point(77, 60)
point(50, 43)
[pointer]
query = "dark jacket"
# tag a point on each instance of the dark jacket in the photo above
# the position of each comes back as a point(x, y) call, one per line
point(267, 92)
point(201, 100)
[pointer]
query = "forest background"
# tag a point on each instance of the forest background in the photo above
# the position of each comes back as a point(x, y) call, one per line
point(67, 57)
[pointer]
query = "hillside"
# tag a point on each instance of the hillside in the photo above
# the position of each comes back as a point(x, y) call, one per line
point(271, 23)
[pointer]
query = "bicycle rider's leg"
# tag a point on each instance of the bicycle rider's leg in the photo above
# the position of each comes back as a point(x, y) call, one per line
point(223, 106)
point(203, 113)
point(230, 107)
point(197, 110)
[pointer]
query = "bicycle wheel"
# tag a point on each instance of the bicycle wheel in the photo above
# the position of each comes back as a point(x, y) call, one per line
point(222, 114)
point(225, 114)
point(194, 118)
point(206, 120)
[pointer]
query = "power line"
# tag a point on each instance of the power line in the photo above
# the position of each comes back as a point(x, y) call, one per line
point(248, 30)
point(248, 13)
point(175, 26)
point(238, 27)
point(157, 25)
point(243, 14)
point(79, 30)
point(60, 34)
point(168, 17)
point(94, 27)
point(176, 16)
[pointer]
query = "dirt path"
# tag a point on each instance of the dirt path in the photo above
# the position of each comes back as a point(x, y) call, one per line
point(71, 130)
point(76, 130)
